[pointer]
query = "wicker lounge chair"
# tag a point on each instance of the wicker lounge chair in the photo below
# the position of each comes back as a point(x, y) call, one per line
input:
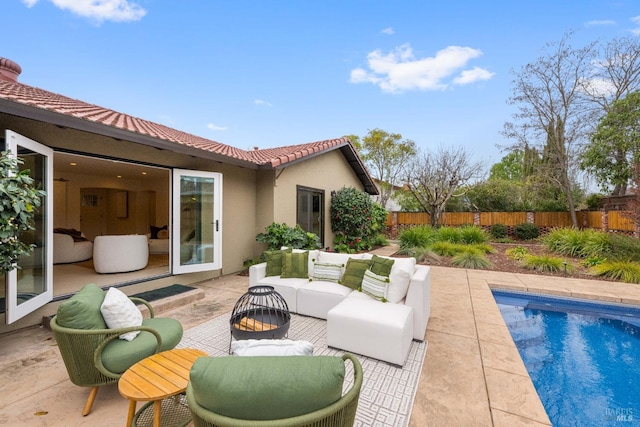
point(299, 376)
point(92, 354)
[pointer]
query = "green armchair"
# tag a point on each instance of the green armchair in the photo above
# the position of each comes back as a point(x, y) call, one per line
point(92, 353)
point(283, 391)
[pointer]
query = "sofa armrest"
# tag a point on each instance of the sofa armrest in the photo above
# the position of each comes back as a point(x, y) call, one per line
point(419, 298)
point(257, 272)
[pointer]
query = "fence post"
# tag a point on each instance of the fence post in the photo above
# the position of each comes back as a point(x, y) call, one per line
point(530, 218)
point(476, 218)
point(394, 224)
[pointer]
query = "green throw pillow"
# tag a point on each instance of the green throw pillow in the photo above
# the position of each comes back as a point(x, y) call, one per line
point(295, 265)
point(82, 310)
point(354, 272)
point(274, 262)
point(381, 266)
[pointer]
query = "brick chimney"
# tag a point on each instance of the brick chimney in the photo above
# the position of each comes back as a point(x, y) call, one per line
point(9, 70)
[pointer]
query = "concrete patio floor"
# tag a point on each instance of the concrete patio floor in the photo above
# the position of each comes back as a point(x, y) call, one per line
point(472, 375)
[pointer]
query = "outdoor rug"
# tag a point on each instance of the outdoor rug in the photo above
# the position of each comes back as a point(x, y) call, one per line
point(387, 393)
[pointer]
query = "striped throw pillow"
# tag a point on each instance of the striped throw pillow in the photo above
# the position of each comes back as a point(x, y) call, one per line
point(375, 285)
point(327, 271)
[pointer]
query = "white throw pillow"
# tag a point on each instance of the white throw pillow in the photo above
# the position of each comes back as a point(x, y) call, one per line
point(271, 348)
point(327, 272)
point(119, 311)
point(375, 285)
point(400, 277)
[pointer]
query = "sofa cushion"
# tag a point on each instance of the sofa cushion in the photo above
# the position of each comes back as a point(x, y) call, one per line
point(375, 285)
point(120, 355)
point(82, 310)
point(400, 277)
point(274, 261)
point(336, 257)
point(266, 387)
point(271, 348)
point(327, 272)
point(119, 311)
point(295, 265)
point(381, 266)
point(354, 271)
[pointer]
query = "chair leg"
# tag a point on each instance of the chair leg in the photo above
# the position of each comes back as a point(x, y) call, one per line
point(89, 404)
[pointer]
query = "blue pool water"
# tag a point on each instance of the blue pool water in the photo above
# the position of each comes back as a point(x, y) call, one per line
point(583, 357)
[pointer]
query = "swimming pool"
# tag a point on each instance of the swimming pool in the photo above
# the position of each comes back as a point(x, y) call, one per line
point(583, 357)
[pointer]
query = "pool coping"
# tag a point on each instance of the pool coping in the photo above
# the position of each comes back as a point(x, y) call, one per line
point(473, 373)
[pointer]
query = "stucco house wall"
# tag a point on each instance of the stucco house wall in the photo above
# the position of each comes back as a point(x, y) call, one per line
point(329, 172)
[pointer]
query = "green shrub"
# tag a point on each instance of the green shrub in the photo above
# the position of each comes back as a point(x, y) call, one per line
point(418, 237)
point(517, 253)
point(623, 248)
point(354, 220)
point(472, 234)
point(379, 240)
point(469, 259)
point(625, 271)
point(446, 248)
point(420, 254)
point(592, 261)
point(577, 243)
point(498, 231)
point(484, 248)
point(18, 206)
point(449, 234)
point(526, 231)
point(545, 263)
point(278, 235)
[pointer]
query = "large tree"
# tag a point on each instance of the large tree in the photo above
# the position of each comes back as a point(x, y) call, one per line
point(616, 74)
point(385, 155)
point(553, 112)
point(614, 150)
point(434, 177)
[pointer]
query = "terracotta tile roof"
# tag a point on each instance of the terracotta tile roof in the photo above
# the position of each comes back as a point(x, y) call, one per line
point(50, 101)
point(265, 158)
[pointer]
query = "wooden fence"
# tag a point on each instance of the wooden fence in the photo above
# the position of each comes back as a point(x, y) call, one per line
point(615, 221)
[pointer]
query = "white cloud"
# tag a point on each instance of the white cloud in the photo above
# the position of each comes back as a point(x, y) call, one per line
point(215, 127)
point(400, 70)
point(99, 10)
point(596, 23)
point(262, 102)
point(473, 75)
point(388, 31)
point(598, 87)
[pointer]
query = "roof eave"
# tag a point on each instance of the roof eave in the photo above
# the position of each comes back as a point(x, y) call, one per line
point(348, 152)
point(35, 113)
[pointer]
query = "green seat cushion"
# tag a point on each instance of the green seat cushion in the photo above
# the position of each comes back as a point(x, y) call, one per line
point(274, 261)
point(267, 387)
point(295, 264)
point(82, 310)
point(354, 272)
point(381, 266)
point(120, 355)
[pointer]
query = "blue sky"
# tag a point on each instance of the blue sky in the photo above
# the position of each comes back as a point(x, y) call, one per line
point(273, 73)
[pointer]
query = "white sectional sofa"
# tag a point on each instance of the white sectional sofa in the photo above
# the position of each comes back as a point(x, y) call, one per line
point(356, 321)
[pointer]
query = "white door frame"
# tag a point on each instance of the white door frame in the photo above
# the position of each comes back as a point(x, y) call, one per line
point(15, 311)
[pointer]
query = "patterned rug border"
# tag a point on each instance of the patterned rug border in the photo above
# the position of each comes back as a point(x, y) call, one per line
point(388, 391)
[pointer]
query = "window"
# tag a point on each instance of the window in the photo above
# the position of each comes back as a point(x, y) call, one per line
point(310, 211)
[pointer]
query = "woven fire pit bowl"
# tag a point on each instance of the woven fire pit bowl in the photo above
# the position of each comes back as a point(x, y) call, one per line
point(261, 313)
